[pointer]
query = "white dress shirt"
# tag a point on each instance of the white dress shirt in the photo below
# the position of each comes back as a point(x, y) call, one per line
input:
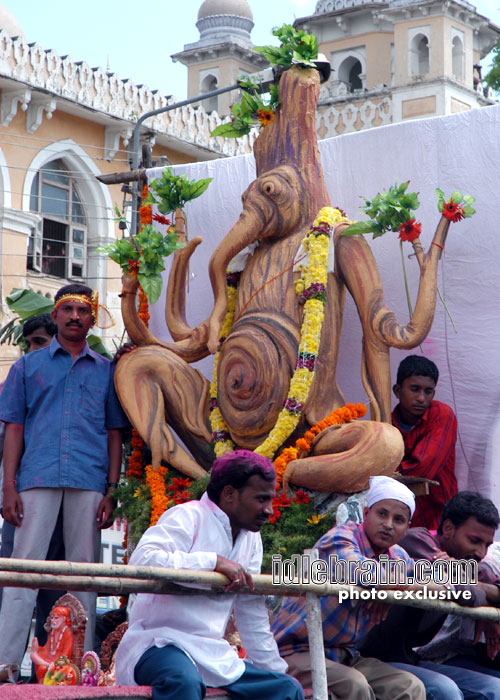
point(190, 536)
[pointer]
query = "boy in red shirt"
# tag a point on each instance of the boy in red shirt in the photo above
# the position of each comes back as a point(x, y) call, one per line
point(429, 430)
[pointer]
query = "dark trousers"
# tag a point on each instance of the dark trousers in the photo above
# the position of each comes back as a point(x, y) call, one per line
point(175, 677)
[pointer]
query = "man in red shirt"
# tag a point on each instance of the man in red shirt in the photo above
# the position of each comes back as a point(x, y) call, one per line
point(429, 430)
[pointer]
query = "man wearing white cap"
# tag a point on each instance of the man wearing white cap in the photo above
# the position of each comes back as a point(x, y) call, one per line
point(350, 676)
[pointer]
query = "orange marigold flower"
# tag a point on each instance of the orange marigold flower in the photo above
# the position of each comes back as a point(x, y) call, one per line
point(409, 230)
point(145, 214)
point(453, 211)
point(303, 444)
point(265, 116)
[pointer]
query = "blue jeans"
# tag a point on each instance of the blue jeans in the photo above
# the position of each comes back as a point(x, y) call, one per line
point(175, 677)
point(472, 665)
point(437, 685)
point(474, 685)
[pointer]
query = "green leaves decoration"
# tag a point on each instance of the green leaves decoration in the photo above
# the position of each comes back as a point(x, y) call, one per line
point(144, 254)
point(174, 191)
point(296, 47)
point(464, 202)
point(387, 211)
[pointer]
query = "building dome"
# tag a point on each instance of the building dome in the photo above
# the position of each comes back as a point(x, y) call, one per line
point(221, 21)
point(9, 23)
point(237, 8)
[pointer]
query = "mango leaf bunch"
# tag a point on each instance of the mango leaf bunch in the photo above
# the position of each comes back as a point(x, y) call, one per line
point(388, 211)
point(252, 108)
point(295, 47)
point(172, 192)
point(143, 255)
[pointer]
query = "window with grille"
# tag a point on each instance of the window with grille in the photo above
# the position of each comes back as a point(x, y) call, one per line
point(58, 247)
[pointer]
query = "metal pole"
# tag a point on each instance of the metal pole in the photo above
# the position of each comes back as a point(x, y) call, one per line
point(314, 623)
point(153, 113)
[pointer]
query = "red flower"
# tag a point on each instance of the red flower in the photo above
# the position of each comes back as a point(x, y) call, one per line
point(275, 516)
point(281, 501)
point(409, 230)
point(161, 219)
point(452, 211)
point(179, 484)
point(182, 497)
point(133, 266)
point(302, 497)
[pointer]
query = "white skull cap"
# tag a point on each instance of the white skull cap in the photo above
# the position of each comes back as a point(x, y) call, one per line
point(382, 487)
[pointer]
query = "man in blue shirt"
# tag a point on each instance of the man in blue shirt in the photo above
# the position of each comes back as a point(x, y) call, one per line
point(62, 449)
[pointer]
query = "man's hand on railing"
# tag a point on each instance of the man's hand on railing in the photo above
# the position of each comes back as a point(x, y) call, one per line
point(236, 573)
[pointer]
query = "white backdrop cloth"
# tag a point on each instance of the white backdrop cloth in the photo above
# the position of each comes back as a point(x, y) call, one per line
point(456, 152)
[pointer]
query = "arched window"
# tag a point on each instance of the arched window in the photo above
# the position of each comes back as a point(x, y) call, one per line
point(419, 55)
point(59, 246)
point(350, 72)
point(209, 84)
point(458, 58)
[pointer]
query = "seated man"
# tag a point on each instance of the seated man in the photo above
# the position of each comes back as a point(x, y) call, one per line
point(429, 430)
point(176, 642)
point(466, 530)
point(349, 675)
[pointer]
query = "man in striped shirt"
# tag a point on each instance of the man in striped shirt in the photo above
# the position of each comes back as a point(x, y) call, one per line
point(390, 506)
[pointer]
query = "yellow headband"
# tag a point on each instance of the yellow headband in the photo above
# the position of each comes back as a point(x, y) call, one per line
point(100, 314)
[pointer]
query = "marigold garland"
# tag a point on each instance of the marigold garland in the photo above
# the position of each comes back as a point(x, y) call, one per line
point(312, 289)
point(220, 434)
point(351, 411)
point(155, 479)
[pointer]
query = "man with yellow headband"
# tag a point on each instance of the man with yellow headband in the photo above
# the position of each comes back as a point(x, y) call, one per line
point(62, 451)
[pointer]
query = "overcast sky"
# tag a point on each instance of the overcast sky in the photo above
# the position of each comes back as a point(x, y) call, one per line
point(136, 39)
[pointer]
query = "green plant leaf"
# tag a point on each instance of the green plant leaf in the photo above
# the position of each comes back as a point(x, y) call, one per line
point(274, 55)
point(360, 227)
point(456, 196)
point(27, 303)
point(96, 344)
point(229, 131)
point(469, 199)
point(152, 286)
point(439, 194)
point(468, 211)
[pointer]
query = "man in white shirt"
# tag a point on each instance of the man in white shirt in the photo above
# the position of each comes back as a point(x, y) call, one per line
point(176, 643)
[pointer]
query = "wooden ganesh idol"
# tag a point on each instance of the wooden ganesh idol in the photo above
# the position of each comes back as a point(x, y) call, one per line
point(275, 326)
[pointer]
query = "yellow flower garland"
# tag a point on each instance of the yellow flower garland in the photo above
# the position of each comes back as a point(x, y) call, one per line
point(314, 277)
